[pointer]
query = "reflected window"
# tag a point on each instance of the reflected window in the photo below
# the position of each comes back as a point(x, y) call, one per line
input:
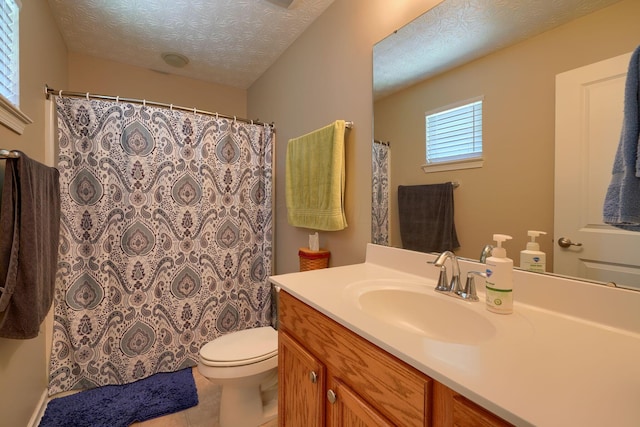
point(9, 51)
point(454, 133)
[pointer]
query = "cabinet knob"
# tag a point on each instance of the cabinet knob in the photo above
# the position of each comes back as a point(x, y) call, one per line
point(331, 395)
point(313, 377)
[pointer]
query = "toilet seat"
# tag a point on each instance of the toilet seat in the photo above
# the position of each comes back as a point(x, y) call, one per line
point(241, 348)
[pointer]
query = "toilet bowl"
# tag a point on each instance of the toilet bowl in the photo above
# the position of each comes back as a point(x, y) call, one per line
point(245, 364)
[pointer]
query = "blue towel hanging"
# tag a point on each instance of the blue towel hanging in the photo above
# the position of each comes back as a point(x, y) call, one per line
point(622, 202)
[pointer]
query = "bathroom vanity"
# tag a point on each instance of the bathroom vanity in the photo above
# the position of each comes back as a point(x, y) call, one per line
point(373, 344)
point(338, 378)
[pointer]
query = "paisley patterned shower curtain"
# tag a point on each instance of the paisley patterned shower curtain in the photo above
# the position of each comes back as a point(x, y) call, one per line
point(380, 153)
point(166, 238)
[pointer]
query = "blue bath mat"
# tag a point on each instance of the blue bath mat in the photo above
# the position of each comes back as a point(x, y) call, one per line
point(122, 405)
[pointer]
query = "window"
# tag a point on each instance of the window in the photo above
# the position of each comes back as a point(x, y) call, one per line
point(9, 58)
point(454, 136)
point(10, 115)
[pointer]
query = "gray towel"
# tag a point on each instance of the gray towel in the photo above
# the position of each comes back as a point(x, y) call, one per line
point(426, 217)
point(622, 202)
point(29, 231)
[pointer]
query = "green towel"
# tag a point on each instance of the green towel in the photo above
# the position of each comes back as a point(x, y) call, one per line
point(315, 177)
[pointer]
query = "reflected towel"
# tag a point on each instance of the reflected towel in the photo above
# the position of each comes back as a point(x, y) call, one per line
point(622, 202)
point(315, 179)
point(29, 228)
point(426, 217)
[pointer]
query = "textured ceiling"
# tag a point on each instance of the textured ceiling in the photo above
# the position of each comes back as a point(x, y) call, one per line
point(230, 42)
point(457, 31)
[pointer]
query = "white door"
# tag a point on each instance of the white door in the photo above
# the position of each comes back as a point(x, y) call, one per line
point(589, 110)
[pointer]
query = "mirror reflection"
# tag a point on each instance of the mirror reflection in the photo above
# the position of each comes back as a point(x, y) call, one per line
point(510, 57)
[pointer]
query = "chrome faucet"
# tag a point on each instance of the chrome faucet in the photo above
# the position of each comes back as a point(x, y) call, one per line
point(486, 252)
point(453, 286)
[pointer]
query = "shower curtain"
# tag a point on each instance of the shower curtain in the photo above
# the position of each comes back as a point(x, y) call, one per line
point(380, 153)
point(165, 238)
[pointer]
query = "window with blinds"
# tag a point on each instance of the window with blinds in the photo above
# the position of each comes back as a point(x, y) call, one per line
point(9, 50)
point(454, 133)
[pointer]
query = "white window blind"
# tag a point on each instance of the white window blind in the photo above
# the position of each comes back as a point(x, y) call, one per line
point(454, 133)
point(9, 51)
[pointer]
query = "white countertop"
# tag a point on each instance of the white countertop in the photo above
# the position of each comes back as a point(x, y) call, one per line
point(539, 366)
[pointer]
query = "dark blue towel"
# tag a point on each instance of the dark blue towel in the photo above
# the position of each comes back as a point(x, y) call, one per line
point(30, 224)
point(622, 202)
point(426, 217)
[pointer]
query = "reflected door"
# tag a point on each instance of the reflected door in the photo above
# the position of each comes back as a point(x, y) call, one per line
point(589, 111)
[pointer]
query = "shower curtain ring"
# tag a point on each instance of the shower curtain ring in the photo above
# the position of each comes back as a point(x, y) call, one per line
point(195, 111)
point(60, 93)
point(117, 99)
point(144, 102)
point(87, 95)
point(171, 107)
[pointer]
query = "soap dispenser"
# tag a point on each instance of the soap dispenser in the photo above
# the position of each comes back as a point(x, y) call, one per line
point(499, 282)
point(532, 258)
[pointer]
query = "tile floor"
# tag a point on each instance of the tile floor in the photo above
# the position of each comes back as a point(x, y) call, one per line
point(205, 414)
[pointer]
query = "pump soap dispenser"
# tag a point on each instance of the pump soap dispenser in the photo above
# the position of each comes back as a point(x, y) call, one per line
point(532, 258)
point(499, 282)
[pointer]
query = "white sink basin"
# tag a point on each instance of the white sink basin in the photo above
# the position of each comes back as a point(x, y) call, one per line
point(418, 309)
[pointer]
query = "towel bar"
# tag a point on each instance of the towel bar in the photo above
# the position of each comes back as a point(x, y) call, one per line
point(7, 154)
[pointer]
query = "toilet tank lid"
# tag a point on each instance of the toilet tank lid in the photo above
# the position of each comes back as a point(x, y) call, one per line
point(251, 345)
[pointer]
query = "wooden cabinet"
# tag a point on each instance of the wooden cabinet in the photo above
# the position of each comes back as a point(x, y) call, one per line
point(370, 386)
point(301, 379)
point(330, 376)
point(350, 409)
point(453, 409)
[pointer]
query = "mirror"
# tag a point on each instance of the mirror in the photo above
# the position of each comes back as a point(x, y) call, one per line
point(510, 55)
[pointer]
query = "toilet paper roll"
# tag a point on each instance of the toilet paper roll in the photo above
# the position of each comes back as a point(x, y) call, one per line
point(314, 242)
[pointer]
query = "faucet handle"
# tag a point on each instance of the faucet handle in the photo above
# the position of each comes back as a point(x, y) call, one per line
point(469, 292)
point(455, 287)
point(443, 281)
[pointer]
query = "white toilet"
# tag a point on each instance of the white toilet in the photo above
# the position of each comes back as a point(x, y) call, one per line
point(245, 364)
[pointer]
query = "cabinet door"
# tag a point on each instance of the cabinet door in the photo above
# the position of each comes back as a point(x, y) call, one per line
point(468, 414)
point(451, 409)
point(347, 409)
point(301, 383)
point(397, 391)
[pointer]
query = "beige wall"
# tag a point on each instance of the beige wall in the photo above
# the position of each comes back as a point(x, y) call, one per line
point(513, 192)
point(327, 75)
point(94, 75)
point(23, 367)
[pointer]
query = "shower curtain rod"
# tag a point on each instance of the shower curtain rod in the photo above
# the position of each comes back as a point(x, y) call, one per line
point(48, 91)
